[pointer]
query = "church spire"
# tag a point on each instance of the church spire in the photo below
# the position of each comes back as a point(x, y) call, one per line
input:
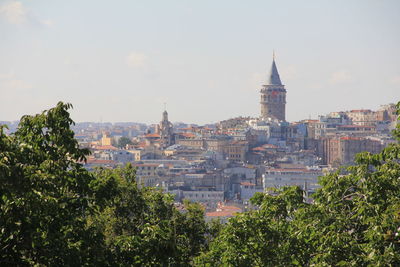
point(274, 78)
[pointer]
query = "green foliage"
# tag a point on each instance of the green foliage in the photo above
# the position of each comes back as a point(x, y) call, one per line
point(123, 141)
point(260, 237)
point(45, 194)
point(142, 227)
point(354, 221)
point(53, 212)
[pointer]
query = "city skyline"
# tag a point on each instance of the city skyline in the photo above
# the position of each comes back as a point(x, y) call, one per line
point(207, 61)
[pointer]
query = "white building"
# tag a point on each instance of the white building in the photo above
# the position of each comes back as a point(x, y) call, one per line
point(307, 179)
point(209, 197)
point(247, 190)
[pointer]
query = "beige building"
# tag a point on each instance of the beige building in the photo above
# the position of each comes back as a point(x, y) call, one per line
point(216, 144)
point(146, 174)
point(106, 140)
point(208, 197)
point(236, 150)
point(387, 113)
point(362, 116)
point(136, 154)
point(195, 142)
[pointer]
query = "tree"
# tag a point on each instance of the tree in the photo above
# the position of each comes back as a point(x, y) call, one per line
point(53, 212)
point(123, 141)
point(142, 227)
point(354, 221)
point(45, 194)
point(260, 237)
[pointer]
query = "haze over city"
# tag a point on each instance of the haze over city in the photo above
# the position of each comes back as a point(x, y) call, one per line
point(120, 61)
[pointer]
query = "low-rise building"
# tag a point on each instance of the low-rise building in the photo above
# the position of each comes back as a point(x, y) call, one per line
point(236, 150)
point(336, 151)
point(204, 196)
point(307, 179)
point(247, 190)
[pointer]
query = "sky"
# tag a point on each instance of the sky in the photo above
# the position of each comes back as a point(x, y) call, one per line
point(119, 61)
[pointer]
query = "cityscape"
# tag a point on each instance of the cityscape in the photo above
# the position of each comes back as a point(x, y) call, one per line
point(200, 133)
point(224, 164)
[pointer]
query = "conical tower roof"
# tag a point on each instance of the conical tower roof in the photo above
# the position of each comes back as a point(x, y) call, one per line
point(274, 78)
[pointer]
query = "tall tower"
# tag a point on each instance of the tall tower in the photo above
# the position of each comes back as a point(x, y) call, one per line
point(165, 130)
point(273, 96)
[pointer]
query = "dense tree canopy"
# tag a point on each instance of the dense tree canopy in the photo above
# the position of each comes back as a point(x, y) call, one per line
point(45, 194)
point(53, 212)
point(141, 226)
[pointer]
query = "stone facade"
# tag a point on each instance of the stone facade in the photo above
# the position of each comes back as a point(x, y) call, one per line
point(236, 151)
point(165, 130)
point(363, 117)
point(273, 96)
point(337, 151)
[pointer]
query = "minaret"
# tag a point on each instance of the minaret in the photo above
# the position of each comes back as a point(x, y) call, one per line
point(273, 96)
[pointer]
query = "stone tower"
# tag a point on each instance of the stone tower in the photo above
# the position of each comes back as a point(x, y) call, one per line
point(165, 130)
point(273, 96)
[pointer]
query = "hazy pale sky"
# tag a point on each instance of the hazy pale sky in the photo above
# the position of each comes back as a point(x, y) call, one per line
point(121, 60)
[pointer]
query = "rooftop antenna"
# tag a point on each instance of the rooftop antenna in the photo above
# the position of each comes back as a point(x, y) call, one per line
point(273, 54)
point(165, 106)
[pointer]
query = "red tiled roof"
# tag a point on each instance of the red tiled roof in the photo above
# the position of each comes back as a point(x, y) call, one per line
point(100, 161)
point(228, 213)
point(224, 211)
point(360, 110)
point(350, 138)
point(190, 135)
point(225, 208)
point(106, 148)
point(142, 145)
point(153, 135)
point(356, 126)
point(270, 146)
point(247, 183)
